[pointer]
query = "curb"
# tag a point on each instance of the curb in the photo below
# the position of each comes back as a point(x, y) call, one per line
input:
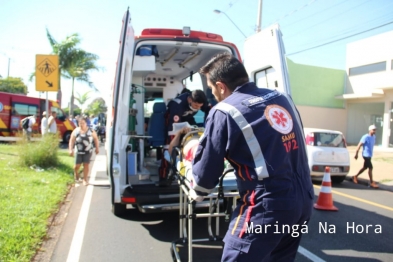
point(362, 181)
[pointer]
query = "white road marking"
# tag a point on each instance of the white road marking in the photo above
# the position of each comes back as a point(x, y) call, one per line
point(309, 255)
point(77, 240)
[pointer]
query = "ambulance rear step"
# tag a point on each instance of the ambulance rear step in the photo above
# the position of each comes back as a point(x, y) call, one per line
point(153, 208)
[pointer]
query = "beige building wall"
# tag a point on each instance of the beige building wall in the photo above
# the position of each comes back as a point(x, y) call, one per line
point(322, 117)
point(370, 90)
point(369, 51)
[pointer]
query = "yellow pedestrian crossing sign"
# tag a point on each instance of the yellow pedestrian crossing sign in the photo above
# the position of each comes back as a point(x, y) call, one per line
point(47, 73)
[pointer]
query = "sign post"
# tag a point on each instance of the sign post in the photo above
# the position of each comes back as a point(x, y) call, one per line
point(47, 77)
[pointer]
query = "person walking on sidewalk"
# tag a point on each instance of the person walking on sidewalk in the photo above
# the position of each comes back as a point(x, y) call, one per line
point(368, 142)
point(82, 139)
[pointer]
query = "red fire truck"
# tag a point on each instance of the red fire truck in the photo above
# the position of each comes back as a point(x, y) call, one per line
point(15, 107)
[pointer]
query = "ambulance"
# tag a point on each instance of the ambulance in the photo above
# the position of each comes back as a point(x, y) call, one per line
point(151, 70)
point(15, 107)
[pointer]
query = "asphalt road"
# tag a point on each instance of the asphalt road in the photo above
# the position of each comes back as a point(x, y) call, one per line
point(90, 232)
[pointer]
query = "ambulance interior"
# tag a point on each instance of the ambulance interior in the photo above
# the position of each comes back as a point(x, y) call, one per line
point(157, 78)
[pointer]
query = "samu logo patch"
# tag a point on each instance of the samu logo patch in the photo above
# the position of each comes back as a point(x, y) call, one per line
point(279, 118)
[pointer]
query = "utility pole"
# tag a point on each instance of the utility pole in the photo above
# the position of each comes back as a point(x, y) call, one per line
point(259, 17)
point(8, 75)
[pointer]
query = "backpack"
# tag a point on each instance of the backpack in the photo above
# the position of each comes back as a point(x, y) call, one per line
point(25, 123)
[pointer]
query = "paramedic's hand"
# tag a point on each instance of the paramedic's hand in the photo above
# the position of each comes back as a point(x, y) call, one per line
point(71, 152)
point(195, 196)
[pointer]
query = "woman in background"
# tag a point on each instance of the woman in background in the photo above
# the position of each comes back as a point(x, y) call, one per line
point(82, 141)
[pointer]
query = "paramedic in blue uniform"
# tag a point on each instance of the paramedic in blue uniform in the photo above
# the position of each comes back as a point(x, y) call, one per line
point(259, 131)
point(180, 109)
point(184, 107)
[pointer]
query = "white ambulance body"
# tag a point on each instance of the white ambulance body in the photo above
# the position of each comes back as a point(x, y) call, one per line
point(152, 67)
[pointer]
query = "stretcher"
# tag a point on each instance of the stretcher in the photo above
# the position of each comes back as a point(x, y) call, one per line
point(224, 195)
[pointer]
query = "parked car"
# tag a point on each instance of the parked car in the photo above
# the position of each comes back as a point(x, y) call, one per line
point(327, 148)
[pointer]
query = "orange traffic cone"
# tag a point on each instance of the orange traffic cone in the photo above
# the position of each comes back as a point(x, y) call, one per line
point(325, 199)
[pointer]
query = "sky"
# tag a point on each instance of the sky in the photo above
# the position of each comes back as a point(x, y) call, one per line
point(305, 25)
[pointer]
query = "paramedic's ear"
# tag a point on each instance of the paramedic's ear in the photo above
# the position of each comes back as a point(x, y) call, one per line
point(221, 87)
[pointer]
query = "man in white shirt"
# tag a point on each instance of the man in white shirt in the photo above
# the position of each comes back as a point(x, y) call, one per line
point(52, 123)
point(44, 123)
point(27, 132)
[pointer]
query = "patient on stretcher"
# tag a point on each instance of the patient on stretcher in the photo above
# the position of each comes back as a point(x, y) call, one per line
point(187, 140)
point(188, 145)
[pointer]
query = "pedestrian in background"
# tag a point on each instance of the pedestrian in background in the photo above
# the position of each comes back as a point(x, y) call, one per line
point(44, 123)
point(75, 120)
point(52, 126)
point(82, 139)
point(367, 142)
point(29, 127)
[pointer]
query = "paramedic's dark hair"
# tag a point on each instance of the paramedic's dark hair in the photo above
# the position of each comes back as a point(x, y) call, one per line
point(198, 96)
point(227, 69)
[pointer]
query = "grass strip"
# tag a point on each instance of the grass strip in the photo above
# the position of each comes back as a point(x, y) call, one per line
point(28, 197)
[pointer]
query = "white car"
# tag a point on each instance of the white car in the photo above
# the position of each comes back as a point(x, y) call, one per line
point(327, 148)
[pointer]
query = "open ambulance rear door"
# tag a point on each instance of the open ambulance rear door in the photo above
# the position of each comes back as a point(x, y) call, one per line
point(118, 136)
point(264, 59)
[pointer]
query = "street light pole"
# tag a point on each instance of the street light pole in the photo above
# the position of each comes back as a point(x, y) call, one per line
point(8, 74)
point(221, 12)
point(259, 17)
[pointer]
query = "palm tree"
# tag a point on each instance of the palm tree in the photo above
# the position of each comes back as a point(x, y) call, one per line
point(80, 64)
point(64, 50)
point(82, 99)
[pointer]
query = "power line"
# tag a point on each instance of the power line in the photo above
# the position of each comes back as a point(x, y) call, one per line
point(308, 17)
point(294, 11)
point(376, 21)
point(339, 39)
point(326, 20)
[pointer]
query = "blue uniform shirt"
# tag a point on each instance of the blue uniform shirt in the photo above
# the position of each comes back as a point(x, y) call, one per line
point(179, 111)
point(258, 131)
point(368, 145)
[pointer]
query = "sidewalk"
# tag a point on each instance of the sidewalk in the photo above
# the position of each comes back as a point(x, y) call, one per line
point(383, 167)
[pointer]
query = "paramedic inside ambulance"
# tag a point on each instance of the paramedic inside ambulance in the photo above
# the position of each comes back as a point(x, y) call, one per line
point(180, 109)
point(260, 133)
point(184, 107)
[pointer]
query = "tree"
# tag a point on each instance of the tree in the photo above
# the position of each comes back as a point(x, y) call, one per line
point(96, 107)
point(82, 99)
point(13, 85)
point(81, 63)
point(64, 50)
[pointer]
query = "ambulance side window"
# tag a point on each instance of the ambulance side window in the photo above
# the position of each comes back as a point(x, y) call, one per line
point(24, 109)
point(266, 78)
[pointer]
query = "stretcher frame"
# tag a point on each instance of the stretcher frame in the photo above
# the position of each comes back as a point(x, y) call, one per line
point(187, 205)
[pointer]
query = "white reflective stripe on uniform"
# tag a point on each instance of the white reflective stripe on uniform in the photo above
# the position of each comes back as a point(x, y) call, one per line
point(193, 184)
point(295, 112)
point(177, 100)
point(251, 140)
point(325, 189)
